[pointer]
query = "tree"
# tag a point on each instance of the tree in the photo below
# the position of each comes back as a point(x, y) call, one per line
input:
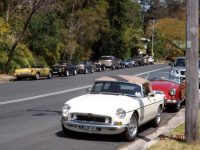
point(35, 5)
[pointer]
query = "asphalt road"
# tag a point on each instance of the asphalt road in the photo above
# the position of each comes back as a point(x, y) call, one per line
point(30, 113)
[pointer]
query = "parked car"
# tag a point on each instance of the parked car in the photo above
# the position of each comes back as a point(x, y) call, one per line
point(99, 67)
point(34, 72)
point(150, 60)
point(110, 62)
point(178, 68)
point(65, 69)
point(126, 64)
point(173, 89)
point(115, 105)
point(85, 67)
point(133, 63)
point(139, 60)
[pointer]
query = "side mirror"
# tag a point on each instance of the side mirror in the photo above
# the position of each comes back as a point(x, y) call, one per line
point(88, 90)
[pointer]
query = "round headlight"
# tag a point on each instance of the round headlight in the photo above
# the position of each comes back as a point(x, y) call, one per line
point(107, 120)
point(121, 113)
point(172, 92)
point(65, 109)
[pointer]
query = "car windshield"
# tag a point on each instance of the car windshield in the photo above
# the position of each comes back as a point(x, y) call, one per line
point(105, 58)
point(111, 87)
point(180, 62)
point(161, 76)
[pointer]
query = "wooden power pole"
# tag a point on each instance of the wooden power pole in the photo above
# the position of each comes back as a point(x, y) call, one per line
point(192, 72)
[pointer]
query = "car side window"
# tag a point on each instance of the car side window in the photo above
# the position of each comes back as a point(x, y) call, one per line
point(145, 89)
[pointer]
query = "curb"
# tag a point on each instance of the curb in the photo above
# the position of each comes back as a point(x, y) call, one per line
point(153, 138)
point(6, 78)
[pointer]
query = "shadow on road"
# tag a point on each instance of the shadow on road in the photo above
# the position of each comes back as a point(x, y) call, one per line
point(90, 137)
point(45, 112)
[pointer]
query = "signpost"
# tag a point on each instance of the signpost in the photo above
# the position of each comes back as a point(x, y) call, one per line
point(192, 67)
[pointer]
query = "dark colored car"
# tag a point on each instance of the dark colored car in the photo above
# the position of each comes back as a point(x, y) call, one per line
point(126, 64)
point(99, 67)
point(85, 67)
point(139, 60)
point(64, 69)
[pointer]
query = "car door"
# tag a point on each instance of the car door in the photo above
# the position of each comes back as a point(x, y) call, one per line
point(149, 103)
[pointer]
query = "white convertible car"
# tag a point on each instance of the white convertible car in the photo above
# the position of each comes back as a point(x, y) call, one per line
point(114, 105)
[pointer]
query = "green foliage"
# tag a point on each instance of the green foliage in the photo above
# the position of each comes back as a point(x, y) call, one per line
point(73, 30)
point(23, 57)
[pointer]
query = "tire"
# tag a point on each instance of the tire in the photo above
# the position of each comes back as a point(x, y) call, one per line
point(177, 107)
point(113, 67)
point(103, 68)
point(49, 75)
point(75, 72)
point(67, 73)
point(131, 132)
point(92, 70)
point(37, 76)
point(86, 71)
point(157, 120)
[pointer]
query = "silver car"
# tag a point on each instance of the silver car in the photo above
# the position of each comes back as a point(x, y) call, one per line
point(178, 69)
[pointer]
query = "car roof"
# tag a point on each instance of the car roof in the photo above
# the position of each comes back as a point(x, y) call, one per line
point(124, 78)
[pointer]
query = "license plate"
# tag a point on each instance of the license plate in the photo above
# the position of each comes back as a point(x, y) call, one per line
point(55, 72)
point(88, 128)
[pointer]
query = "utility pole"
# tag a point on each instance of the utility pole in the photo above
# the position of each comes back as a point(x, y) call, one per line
point(152, 38)
point(192, 68)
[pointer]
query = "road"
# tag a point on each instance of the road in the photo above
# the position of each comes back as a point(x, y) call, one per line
point(30, 113)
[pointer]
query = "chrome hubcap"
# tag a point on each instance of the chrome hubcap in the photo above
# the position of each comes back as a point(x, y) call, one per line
point(132, 127)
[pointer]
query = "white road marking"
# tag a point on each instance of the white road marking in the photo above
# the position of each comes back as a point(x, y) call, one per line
point(65, 91)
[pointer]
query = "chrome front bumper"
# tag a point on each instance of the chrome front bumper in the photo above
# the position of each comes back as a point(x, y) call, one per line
point(93, 128)
point(171, 102)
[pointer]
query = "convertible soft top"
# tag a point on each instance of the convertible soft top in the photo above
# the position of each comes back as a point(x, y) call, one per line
point(124, 78)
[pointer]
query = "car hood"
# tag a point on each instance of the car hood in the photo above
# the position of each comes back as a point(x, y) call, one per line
point(23, 70)
point(102, 103)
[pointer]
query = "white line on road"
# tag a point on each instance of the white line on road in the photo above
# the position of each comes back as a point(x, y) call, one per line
point(65, 91)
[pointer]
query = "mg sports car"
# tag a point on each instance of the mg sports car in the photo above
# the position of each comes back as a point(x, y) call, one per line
point(115, 105)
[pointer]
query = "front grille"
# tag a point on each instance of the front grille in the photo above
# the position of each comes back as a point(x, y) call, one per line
point(90, 118)
point(183, 72)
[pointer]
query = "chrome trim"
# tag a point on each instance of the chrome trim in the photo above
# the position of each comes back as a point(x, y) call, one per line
point(103, 129)
point(171, 101)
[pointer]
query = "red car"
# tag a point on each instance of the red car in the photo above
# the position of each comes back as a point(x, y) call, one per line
point(174, 92)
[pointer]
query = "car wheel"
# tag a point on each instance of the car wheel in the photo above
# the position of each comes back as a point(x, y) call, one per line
point(92, 70)
point(157, 120)
point(75, 72)
point(37, 76)
point(86, 71)
point(132, 129)
point(50, 75)
point(67, 73)
point(177, 107)
point(103, 68)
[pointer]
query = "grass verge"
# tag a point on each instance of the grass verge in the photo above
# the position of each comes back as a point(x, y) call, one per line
point(175, 140)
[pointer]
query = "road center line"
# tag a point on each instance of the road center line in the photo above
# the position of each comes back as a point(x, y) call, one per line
point(65, 91)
